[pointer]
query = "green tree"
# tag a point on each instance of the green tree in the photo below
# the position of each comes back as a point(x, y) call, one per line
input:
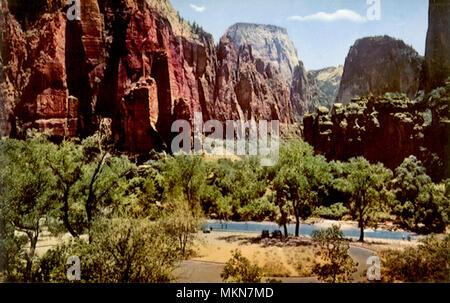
point(184, 186)
point(238, 269)
point(419, 204)
point(56, 187)
point(179, 222)
point(365, 183)
point(12, 252)
point(184, 177)
point(300, 178)
point(281, 197)
point(338, 266)
point(236, 186)
point(89, 179)
point(27, 200)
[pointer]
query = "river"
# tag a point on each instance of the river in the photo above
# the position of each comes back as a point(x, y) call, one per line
point(305, 229)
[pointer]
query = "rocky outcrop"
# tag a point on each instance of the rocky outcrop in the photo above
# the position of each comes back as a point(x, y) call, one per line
point(35, 76)
point(324, 86)
point(301, 93)
point(52, 68)
point(377, 65)
point(66, 76)
point(437, 51)
point(143, 48)
point(385, 129)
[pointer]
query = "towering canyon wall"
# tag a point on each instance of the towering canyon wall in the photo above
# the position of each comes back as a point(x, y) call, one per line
point(272, 45)
point(135, 62)
point(248, 88)
point(269, 43)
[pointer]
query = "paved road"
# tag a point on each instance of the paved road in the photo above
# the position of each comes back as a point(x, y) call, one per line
point(199, 272)
point(360, 255)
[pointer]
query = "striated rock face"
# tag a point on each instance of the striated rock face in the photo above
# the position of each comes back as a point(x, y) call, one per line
point(122, 61)
point(51, 68)
point(143, 48)
point(324, 85)
point(437, 52)
point(377, 65)
point(385, 129)
point(271, 44)
point(248, 88)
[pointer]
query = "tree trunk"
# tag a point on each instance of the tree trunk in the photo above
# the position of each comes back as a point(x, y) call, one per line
point(285, 230)
point(361, 219)
point(361, 227)
point(66, 214)
point(89, 201)
point(297, 226)
point(29, 266)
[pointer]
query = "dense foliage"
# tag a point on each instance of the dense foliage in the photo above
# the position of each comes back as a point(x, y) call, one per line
point(419, 204)
point(429, 262)
point(121, 250)
point(114, 209)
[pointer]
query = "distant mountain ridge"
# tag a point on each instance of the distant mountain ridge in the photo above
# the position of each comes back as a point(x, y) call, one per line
point(269, 43)
point(272, 45)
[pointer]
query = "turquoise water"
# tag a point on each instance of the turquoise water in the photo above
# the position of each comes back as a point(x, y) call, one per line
point(305, 229)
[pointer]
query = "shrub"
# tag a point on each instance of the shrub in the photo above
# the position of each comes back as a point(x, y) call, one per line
point(334, 212)
point(239, 270)
point(120, 250)
point(338, 266)
point(180, 223)
point(258, 210)
point(429, 262)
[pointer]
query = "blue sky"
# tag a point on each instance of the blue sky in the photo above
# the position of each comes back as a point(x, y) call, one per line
point(322, 30)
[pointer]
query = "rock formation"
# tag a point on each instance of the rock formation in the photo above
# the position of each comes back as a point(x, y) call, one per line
point(247, 88)
point(437, 58)
point(301, 91)
point(386, 129)
point(377, 65)
point(271, 44)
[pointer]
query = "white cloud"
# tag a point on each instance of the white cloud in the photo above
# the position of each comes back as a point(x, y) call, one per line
point(342, 14)
point(199, 9)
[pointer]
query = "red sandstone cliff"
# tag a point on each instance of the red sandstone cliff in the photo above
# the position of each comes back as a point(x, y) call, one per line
point(136, 63)
point(248, 88)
